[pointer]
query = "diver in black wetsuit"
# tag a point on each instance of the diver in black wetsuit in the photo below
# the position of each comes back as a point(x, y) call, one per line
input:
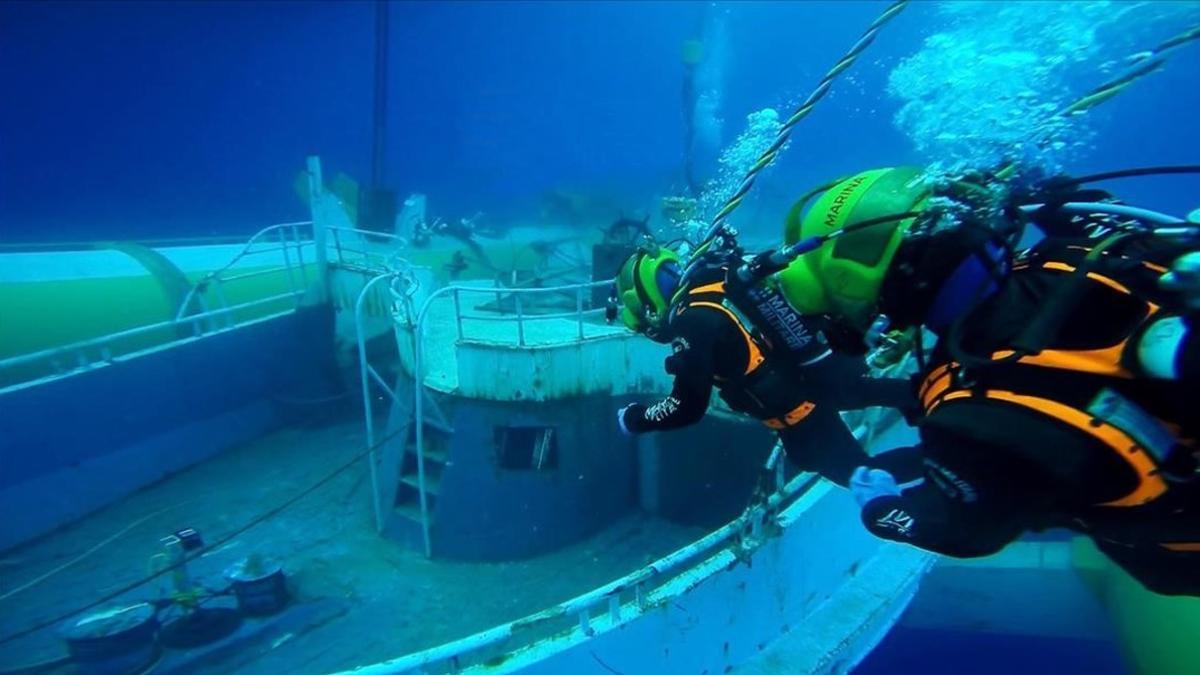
point(1063, 388)
point(714, 344)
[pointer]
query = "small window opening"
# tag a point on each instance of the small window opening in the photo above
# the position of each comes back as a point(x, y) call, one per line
point(527, 448)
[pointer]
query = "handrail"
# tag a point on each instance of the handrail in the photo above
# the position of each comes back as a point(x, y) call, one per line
point(285, 245)
point(31, 357)
point(537, 317)
point(214, 275)
point(368, 374)
point(382, 259)
point(728, 536)
point(372, 233)
point(365, 370)
point(519, 317)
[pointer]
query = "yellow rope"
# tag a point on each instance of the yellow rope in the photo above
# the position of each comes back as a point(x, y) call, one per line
point(770, 154)
point(1152, 61)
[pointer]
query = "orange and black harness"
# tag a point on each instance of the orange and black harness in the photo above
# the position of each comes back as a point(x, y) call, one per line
point(760, 390)
point(1035, 382)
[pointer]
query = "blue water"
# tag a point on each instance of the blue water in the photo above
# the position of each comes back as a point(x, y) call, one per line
point(189, 118)
point(152, 120)
point(943, 652)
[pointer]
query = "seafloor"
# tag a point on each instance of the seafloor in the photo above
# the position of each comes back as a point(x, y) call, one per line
point(357, 597)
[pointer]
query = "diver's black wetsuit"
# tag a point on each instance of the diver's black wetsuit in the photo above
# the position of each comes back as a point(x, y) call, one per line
point(709, 348)
point(1015, 446)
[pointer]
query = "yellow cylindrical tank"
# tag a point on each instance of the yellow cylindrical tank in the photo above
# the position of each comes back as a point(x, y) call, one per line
point(1158, 633)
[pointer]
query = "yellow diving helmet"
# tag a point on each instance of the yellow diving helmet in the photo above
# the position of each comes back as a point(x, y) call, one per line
point(644, 287)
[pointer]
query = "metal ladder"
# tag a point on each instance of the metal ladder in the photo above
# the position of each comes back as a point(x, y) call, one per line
point(405, 472)
point(406, 495)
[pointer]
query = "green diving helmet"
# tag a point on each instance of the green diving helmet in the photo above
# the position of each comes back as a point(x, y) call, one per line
point(645, 284)
point(909, 268)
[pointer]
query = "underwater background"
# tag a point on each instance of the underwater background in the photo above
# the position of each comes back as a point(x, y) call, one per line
point(166, 120)
point(163, 119)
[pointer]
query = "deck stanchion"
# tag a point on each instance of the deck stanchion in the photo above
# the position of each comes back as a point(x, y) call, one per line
point(287, 263)
point(365, 373)
point(337, 246)
point(579, 309)
point(458, 322)
point(300, 255)
point(520, 321)
point(316, 195)
point(219, 289)
point(419, 422)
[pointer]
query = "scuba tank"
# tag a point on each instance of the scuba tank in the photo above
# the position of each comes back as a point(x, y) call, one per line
point(759, 304)
point(795, 339)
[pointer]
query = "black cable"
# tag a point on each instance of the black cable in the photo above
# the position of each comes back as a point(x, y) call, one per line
point(1055, 307)
point(874, 221)
point(254, 522)
point(1126, 173)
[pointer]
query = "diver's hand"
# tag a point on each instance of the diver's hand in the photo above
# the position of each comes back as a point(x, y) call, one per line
point(891, 350)
point(1184, 278)
point(632, 408)
point(867, 485)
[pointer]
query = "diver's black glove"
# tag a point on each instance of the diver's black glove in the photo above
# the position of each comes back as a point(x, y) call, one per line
point(623, 417)
point(841, 338)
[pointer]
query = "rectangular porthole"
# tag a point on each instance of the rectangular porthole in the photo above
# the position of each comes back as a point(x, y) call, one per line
point(527, 448)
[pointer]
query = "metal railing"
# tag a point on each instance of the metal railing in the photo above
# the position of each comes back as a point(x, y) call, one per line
point(287, 237)
point(343, 245)
point(418, 373)
point(519, 316)
point(620, 599)
point(402, 287)
point(102, 350)
point(369, 374)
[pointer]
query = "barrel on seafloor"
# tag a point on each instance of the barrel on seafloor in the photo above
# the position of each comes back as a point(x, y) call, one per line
point(260, 587)
point(116, 641)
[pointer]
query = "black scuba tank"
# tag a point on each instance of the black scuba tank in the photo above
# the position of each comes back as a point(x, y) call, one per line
point(793, 339)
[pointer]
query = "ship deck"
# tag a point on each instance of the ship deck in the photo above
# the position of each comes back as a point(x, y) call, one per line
point(358, 597)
